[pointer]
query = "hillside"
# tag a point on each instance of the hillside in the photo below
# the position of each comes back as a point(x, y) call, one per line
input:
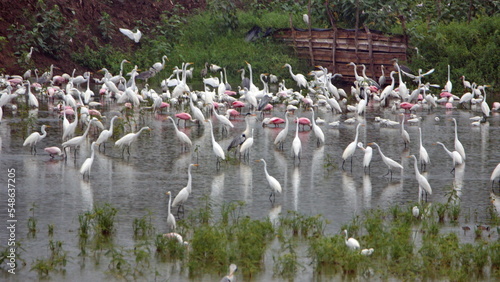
point(87, 13)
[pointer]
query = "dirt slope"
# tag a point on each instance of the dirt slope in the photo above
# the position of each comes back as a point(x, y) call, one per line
point(123, 13)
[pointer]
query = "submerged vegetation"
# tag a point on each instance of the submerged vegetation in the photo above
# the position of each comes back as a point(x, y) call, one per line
point(404, 245)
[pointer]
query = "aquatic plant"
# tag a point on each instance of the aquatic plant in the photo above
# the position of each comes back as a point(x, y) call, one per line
point(32, 221)
point(55, 262)
point(50, 228)
point(143, 226)
point(103, 216)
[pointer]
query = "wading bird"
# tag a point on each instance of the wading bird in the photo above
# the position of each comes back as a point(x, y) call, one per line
point(367, 158)
point(423, 155)
point(185, 141)
point(183, 194)
point(455, 156)
point(352, 243)
point(458, 145)
point(135, 36)
point(219, 153)
point(34, 138)
point(87, 164)
point(391, 164)
point(273, 183)
point(423, 184)
point(127, 140)
point(77, 141)
point(106, 134)
point(170, 217)
point(351, 148)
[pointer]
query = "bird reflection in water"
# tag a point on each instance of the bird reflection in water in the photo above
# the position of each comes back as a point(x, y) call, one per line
point(246, 182)
point(367, 191)
point(295, 187)
point(349, 189)
point(87, 195)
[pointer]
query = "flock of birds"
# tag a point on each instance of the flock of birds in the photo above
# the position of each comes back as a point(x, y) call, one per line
point(78, 106)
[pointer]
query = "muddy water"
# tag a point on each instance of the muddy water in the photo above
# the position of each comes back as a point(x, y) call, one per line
point(136, 183)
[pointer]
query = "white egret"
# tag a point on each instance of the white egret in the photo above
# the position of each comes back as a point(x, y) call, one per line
point(273, 183)
point(219, 153)
point(351, 148)
point(106, 134)
point(367, 158)
point(69, 132)
point(495, 174)
point(77, 141)
point(448, 86)
point(183, 194)
point(485, 108)
point(423, 183)
point(185, 141)
point(455, 156)
point(458, 145)
point(135, 36)
point(158, 66)
point(352, 243)
point(34, 138)
point(280, 138)
point(197, 113)
point(299, 78)
point(317, 130)
point(296, 143)
point(404, 133)
point(127, 140)
point(391, 164)
point(246, 146)
point(226, 123)
point(170, 217)
point(423, 155)
point(87, 164)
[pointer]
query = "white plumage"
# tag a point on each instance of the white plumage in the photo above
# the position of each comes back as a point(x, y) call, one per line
point(135, 36)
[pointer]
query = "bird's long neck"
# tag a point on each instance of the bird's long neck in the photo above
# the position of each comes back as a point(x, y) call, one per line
point(189, 177)
point(251, 74)
point(87, 130)
point(44, 133)
point(175, 126)
point(290, 69)
point(446, 149)
point(456, 134)
point(111, 126)
point(357, 134)
point(416, 165)
point(420, 135)
point(380, 151)
point(169, 202)
point(392, 78)
point(92, 151)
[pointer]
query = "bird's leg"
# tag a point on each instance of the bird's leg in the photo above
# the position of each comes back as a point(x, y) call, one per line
point(351, 163)
point(128, 150)
point(343, 164)
point(389, 171)
point(391, 174)
point(453, 170)
point(75, 153)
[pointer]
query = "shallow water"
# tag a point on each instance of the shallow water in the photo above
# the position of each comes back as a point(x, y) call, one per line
point(317, 184)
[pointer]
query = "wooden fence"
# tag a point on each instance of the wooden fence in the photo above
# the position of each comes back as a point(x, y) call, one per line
point(336, 48)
